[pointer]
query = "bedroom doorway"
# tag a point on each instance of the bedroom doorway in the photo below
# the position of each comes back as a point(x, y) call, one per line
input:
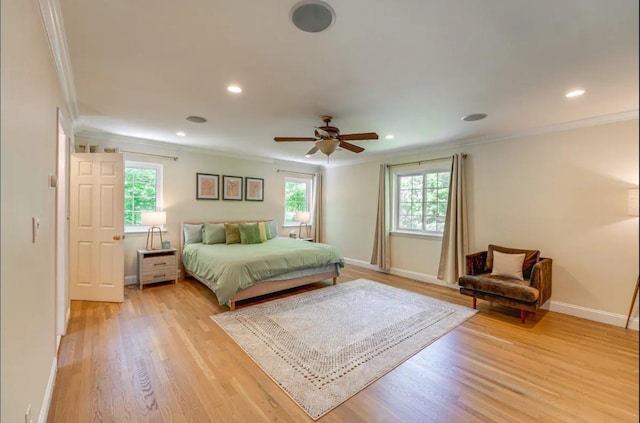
point(62, 228)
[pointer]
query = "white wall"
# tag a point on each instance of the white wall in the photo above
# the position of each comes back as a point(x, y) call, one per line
point(564, 193)
point(30, 95)
point(179, 190)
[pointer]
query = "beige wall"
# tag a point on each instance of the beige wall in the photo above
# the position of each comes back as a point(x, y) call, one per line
point(564, 193)
point(30, 95)
point(179, 190)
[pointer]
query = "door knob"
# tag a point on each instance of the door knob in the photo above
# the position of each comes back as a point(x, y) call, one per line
point(116, 237)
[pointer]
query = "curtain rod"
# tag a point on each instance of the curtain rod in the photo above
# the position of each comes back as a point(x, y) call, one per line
point(150, 154)
point(464, 156)
point(293, 171)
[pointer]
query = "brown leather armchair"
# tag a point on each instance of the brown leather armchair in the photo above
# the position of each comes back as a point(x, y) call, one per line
point(528, 294)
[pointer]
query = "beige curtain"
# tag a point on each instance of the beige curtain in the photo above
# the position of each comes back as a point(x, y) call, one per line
point(317, 207)
point(381, 254)
point(455, 240)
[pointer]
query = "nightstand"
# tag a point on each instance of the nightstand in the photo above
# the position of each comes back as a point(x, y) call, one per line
point(157, 266)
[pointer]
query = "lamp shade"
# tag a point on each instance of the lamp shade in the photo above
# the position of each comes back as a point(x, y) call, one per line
point(303, 216)
point(633, 202)
point(154, 218)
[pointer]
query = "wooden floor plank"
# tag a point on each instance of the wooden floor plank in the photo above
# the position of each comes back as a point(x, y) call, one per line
point(158, 357)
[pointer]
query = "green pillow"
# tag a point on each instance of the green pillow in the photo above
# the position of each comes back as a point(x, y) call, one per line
point(272, 229)
point(192, 233)
point(213, 233)
point(250, 233)
point(232, 233)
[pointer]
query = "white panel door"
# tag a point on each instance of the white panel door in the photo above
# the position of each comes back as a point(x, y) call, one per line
point(96, 255)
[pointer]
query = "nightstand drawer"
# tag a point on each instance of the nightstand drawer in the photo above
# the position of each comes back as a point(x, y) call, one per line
point(151, 264)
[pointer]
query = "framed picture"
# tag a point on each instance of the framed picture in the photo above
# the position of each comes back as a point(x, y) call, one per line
point(231, 187)
point(253, 189)
point(207, 186)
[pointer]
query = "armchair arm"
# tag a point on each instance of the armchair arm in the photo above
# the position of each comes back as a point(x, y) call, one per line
point(476, 263)
point(541, 279)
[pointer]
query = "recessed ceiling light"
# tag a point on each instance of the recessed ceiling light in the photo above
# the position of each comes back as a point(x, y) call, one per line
point(312, 16)
point(307, 155)
point(474, 116)
point(389, 137)
point(574, 93)
point(181, 134)
point(196, 119)
point(234, 89)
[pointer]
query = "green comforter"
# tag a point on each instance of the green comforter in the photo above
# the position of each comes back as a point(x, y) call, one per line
point(228, 268)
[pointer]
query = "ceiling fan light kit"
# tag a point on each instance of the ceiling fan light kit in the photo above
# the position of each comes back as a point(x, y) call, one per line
point(328, 139)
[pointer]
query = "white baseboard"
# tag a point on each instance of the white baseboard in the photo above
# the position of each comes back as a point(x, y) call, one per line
point(556, 306)
point(131, 280)
point(421, 277)
point(48, 393)
point(592, 314)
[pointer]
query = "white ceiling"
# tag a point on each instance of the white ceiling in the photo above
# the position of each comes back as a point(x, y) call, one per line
point(411, 68)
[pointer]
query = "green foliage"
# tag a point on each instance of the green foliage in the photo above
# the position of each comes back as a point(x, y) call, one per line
point(422, 201)
point(139, 194)
point(295, 195)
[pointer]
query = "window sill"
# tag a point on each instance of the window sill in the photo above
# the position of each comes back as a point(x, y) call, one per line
point(417, 235)
point(141, 231)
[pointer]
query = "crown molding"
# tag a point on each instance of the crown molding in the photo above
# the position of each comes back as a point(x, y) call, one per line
point(54, 27)
point(450, 145)
point(107, 137)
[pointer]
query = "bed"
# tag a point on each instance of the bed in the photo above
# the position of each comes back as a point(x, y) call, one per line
point(239, 271)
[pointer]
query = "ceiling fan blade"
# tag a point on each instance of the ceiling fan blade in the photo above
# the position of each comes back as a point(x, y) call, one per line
point(351, 147)
point(312, 151)
point(289, 139)
point(359, 137)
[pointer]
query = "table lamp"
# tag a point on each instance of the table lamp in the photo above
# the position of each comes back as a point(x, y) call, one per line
point(303, 217)
point(154, 219)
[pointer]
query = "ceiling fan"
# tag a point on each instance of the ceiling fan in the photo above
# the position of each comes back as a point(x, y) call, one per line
point(328, 138)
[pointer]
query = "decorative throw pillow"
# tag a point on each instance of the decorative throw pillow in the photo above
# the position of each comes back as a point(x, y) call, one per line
point(232, 231)
point(249, 233)
point(263, 231)
point(192, 233)
point(508, 265)
point(273, 229)
point(213, 233)
point(530, 259)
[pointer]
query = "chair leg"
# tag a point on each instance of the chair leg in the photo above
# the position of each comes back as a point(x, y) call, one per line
point(523, 314)
point(474, 302)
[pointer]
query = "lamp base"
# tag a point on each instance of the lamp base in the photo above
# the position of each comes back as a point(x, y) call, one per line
point(150, 238)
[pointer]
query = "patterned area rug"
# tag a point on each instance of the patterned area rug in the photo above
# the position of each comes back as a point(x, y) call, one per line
point(326, 345)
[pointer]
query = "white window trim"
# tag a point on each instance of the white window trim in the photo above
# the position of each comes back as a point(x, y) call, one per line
point(408, 233)
point(310, 192)
point(143, 229)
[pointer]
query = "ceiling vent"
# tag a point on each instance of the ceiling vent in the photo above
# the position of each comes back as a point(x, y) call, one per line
point(312, 16)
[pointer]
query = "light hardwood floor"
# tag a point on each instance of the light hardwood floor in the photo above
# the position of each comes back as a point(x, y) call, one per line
point(159, 358)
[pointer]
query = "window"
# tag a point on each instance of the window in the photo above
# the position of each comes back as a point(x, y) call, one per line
point(142, 192)
point(297, 197)
point(420, 201)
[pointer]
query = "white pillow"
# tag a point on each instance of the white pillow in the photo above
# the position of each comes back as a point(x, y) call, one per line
point(509, 265)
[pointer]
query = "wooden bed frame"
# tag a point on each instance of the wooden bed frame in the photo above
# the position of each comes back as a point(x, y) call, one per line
point(261, 287)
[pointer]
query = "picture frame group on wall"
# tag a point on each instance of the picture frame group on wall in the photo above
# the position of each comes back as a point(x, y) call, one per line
point(233, 188)
point(207, 186)
point(253, 189)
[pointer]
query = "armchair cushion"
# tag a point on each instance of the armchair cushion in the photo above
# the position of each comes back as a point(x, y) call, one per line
point(501, 286)
point(531, 257)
